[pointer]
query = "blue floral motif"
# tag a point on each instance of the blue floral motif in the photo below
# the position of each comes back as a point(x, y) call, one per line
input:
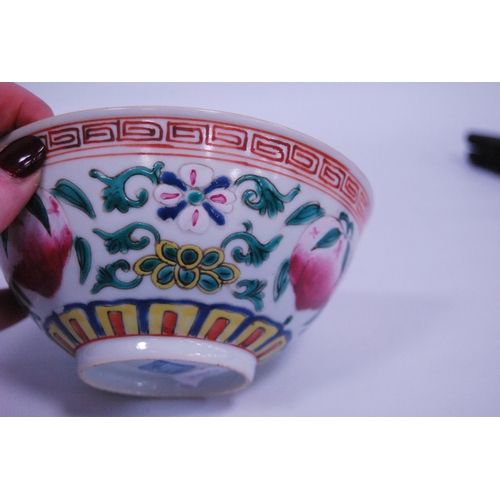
point(194, 198)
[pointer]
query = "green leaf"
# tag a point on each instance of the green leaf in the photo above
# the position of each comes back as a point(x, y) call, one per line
point(84, 256)
point(282, 279)
point(330, 238)
point(112, 243)
point(343, 216)
point(122, 240)
point(305, 214)
point(253, 292)
point(114, 194)
point(257, 252)
point(106, 276)
point(37, 208)
point(74, 196)
point(349, 225)
point(265, 198)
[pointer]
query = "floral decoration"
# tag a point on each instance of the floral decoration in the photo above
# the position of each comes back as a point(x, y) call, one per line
point(195, 198)
point(187, 267)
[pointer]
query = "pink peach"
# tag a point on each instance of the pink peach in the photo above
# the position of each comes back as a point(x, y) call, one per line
point(315, 270)
point(37, 258)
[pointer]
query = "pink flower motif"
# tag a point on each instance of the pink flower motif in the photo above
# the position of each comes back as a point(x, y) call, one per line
point(193, 219)
point(317, 262)
point(195, 197)
point(37, 257)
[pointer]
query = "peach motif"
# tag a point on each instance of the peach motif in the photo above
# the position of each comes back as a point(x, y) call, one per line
point(39, 242)
point(317, 262)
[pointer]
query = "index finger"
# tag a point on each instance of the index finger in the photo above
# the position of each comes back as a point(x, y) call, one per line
point(19, 106)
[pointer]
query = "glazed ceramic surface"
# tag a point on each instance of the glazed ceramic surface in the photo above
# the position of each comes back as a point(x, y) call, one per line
point(172, 250)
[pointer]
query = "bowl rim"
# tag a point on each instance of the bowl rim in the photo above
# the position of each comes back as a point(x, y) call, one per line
point(191, 113)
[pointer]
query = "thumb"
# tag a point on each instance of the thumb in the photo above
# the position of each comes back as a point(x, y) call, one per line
point(20, 174)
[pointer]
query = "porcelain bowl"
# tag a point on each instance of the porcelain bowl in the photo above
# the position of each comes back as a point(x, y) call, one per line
point(172, 250)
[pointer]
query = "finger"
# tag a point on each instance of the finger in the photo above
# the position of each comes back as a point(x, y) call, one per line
point(20, 161)
point(19, 107)
point(20, 173)
point(11, 312)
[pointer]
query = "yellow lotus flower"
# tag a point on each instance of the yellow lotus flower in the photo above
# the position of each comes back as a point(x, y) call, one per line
point(187, 267)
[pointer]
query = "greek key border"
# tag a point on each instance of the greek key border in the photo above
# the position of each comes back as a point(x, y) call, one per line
point(250, 144)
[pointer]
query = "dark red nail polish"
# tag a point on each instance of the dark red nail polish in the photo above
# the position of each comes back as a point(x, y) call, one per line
point(23, 157)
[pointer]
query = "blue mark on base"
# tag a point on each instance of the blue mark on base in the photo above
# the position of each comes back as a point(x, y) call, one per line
point(167, 367)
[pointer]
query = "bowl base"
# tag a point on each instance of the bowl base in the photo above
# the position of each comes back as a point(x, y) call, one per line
point(165, 366)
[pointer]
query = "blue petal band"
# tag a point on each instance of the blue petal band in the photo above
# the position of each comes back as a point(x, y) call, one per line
point(171, 212)
point(221, 182)
point(214, 214)
point(172, 180)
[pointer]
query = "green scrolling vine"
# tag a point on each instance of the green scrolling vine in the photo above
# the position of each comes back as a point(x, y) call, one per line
point(195, 199)
point(171, 265)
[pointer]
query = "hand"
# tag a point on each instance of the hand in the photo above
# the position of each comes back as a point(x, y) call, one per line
point(20, 172)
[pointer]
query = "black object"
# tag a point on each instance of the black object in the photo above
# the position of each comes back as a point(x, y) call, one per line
point(485, 151)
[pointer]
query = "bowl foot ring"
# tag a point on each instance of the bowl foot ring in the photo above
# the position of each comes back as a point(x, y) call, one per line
point(165, 366)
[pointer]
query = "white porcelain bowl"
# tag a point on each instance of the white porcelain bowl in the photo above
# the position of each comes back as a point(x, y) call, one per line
point(172, 250)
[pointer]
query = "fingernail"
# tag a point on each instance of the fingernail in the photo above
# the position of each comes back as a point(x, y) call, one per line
point(23, 157)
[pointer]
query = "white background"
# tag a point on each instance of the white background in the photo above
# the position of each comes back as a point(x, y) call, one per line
point(414, 328)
